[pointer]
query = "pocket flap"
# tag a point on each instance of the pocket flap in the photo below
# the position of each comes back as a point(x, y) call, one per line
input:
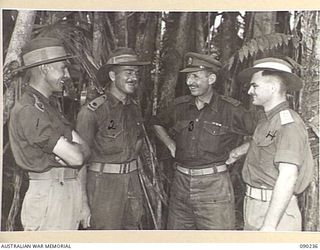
point(113, 134)
point(214, 128)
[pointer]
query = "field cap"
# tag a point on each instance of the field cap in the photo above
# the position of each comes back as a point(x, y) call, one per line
point(197, 62)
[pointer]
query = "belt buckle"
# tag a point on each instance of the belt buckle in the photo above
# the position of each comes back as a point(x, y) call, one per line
point(263, 195)
point(215, 169)
point(124, 168)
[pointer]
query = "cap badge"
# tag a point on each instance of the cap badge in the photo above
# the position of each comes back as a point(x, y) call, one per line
point(189, 60)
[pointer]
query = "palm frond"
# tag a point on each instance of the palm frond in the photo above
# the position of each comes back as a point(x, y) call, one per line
point(261, 43)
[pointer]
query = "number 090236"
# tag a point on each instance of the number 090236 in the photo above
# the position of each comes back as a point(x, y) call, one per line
point(309, 246)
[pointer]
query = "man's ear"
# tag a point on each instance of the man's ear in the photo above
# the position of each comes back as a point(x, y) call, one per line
point(112, 75)
point(43, 69)
point(212, 78)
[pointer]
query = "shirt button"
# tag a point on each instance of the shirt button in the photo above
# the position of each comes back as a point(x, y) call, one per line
point(193, 138)
point(197, 120)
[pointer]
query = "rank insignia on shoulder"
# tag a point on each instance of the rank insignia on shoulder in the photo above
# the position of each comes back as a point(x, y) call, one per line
point(97, 102)
point(285, 117)
point(39, 105)
point(234, 102)
point(182, 99)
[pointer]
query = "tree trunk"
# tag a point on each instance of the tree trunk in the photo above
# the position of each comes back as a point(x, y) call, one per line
point(264, 23)
point(146, 33)
point(200, 34)
point(310, 59)
point(97, 38)
point(173, 59)
point(121, 29)
point(21, 34)
point(229, 42)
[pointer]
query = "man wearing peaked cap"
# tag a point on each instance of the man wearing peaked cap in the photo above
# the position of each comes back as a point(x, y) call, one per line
point(112, 126)
point(204, 127)
point(44, 143)
point(196, 61)
point(279, 162)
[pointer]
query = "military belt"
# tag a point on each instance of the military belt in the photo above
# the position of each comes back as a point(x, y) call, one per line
point(213, 169)
point(59, 174)
point(113, 168)
point(259, 193)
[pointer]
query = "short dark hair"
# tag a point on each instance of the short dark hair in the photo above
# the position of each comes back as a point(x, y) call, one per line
point(279, 75)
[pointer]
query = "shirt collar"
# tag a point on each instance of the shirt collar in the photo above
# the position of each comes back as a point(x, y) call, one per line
point(115, 101)
point(282, 106)
point(32, 91)
point(212, 103)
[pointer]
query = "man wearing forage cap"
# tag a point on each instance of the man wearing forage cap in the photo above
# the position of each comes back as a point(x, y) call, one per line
point(112, 126)
point(279, 163)
point(204, 127)
point(44, 143)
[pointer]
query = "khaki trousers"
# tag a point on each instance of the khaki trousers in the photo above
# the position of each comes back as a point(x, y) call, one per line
point(49, 205)
point(255, 212)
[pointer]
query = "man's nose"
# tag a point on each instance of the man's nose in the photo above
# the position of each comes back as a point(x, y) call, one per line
point(66, 73)
point(190, 81)
point(133, 76)
point(250, 91)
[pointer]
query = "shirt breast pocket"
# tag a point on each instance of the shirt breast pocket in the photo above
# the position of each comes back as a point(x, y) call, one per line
point(111, 140)
point(263, 141)
point(214, 128)
point(212, 135)
point(113, 134)
point(266, 149)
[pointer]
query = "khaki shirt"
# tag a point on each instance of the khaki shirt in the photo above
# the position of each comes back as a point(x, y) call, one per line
point(280, 137)
point(112, 130)
point(35, 127)
point(208, 135)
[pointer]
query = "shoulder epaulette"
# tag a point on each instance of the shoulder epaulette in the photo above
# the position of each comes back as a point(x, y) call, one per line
point(182, 99)
point(97, 102)
point(285, 117)
point(228, 99)
point(37, 103)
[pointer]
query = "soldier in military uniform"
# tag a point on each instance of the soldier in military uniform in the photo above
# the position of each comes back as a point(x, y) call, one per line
point(204, 127)
point(279, 162)
point(44, 143)
point(111, 125)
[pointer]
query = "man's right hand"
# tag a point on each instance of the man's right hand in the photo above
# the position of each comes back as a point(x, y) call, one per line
point(172, 148)
point(236, 153)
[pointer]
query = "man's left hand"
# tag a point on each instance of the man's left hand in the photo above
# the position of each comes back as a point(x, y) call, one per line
point(85, 215)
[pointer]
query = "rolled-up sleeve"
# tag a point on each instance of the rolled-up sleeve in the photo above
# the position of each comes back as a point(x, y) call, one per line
point(290, 143)
point(86, 124)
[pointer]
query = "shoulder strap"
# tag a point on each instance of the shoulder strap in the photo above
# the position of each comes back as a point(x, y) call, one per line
point(285, 117)
point(37, 103)
point(230, 100)
point(97, 102)
point(182, 99)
